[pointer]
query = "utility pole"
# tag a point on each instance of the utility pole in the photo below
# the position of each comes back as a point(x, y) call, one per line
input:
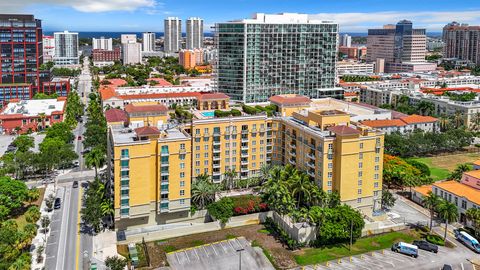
point(240, 258)
point(351, 234)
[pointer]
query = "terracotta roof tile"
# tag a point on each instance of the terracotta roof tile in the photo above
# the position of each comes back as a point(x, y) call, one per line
point(115, 115)
point(343, 130)
point(461, 190)
point(117, 82)
point(424, 190)
point(146, 131)
point(477, 162)
point(129, 108)
point(207, 96)
point(412, 119)
point(160, 81)
point(384, 123)
point(475, 173)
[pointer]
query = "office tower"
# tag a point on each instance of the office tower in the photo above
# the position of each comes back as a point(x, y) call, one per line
point(102, 44)
point(48, 48)
point(148, 42)
point(131, 53)
point(66, 48)
point(402, 47)
point(346, 41)
point(173, 35)
point(21, 56)
point(194, 33)
point(276, 54)
point(125, 38)
point(462, 42)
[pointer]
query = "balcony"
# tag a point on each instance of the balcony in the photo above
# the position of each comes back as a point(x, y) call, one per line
point(244, 169)
point(124, 157)
point(311, 173)
point(216, 149)
point(182, 151)
point(311, 156)
point(244, 162)
point(244, 139)
point(292, 161)
point(293, 153)
point(216, 157)
point(216, 165)
point(244, 154)
point(164, 154)
point(244, 147)
point(269, 149)
point(215, 142)
point(164, 173)
point(293, 146)
point(311, 165)
point(216, 173)
point(244, 131)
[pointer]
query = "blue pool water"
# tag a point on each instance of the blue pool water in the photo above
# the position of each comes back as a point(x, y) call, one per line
point(208, 114)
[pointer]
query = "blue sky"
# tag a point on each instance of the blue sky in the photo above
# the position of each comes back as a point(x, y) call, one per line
point(148, 15)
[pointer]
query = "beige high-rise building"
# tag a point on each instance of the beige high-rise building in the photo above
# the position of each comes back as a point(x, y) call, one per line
point(194, 33)
point(126, 38)
point(173, 35)
point(131, 53)
point(462, 41)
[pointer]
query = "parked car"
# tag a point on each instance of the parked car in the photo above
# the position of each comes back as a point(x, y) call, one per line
point(468, 240)
point(57, 203)
point(422, 244)
point(406, 249)
point(79, 138)
point(75, 184)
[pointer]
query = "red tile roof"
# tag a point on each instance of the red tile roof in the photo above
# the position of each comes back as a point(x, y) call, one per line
point(160, 95)
point(117, 82)
point(160, 81)
point(384, 123)
point(413, 119)
point(129, 108)
point(115, 115)
point(146, 131)
point(343, 130)
point(290, 99)
point(207, 96)
point(107, 92)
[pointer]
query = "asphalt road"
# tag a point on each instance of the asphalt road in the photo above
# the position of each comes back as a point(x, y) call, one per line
point(68, 243)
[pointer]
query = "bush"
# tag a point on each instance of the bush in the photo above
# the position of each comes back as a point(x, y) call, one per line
point(236, 112)
point(435, 239)
point(221, 210)
point(249, 109)
point(219, 113)
point(32, 215)
point(248, 204)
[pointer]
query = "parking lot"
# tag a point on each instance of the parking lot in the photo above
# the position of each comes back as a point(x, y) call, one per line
point(222, 255)
point(5, 140)
point(387, 259)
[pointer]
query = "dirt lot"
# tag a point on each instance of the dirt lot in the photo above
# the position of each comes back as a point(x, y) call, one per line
point(450, 162)
point(157, 250)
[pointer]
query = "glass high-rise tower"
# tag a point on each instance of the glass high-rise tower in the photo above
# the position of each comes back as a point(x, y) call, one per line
point(274, 54)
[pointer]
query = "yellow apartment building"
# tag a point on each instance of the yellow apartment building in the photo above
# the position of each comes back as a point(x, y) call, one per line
point(151, 175)
point(146, 114)
point(152, 169)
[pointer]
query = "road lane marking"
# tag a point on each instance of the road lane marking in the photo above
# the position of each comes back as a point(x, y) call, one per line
point(77, 246)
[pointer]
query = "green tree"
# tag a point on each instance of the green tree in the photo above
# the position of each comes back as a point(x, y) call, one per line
point(301, 186)
point(115, 263)
point(203, 191)
point(473, 215)
point(221, 210)
point(95, 159)
point(32, 214)
point(230, 176)
point(459, 170)
point(448, 212)
point(24, 143)
point(44, 223)
point(388, 200)
point(92, 213)
point(431, 202)
point(62, 131)
point(12, 195)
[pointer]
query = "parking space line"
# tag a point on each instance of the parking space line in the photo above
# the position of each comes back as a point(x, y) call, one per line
point(196, 253)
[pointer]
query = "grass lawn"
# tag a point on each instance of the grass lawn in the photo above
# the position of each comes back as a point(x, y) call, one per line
point(20, 219)
point(362, 245)
point(441, 166)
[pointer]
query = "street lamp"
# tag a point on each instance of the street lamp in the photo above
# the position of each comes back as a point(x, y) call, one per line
point(240, 257)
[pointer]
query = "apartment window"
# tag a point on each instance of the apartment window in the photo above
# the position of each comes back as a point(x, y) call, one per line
point(330, 165)
point(464, 204)
point(182, 201)
point(205, 139)
point(164, 159)
point(197, 140)
point(205, 170)
point(205, 163)
point(205, 155)
point(182, 175)
point(205, 130)
point(205, 147)
point(226, 137)
point(330, 156)
point(376, 185)
point(359, 200)
point(124, 211)
point(182, 192)
point(449, 197)
point(254, 164)
point(182, 146)
point(164, 149)
point(360, 165)
point(360, 174)
point(360, 155)
point(377, 167)
point(360, 182)
point(124, 174)
point(182, 165)
point(197, 131)
point(330, 146)
point(330, 174)
point(125, 153)
point(197, 147)
point(261, 141)
point(182, 157)
point(456, 201)
point(197, 171)
point(376, 176)
point(377, 159)
point(376, 193)
point(234, 144)
point(124, 163)
point(197, 163)
point(359, 191)
point(361, 145)
point(254, 142)
point(329, 183)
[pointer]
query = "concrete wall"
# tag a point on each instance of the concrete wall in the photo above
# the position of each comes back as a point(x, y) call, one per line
point(180, 229)
point(302, 232)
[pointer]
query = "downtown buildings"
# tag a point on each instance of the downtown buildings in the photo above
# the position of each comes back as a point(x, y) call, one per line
point(173, 35)
point(153, 165)
point(275, 54)
point(66, 48)
point(102, 43)
point(400, 48)
point(148, 42)
point(194, 33)
point(462, 42)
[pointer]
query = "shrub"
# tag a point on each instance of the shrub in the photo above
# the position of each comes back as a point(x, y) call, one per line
point(219, 113)
point(435, 239)
point(32, 215)
point(249, 109)
point(221, 210)
point(248, 204)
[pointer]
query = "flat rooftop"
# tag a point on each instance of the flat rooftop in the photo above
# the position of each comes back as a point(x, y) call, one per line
point(330, 104)
point(34, 107)
point(146, 89)
point(127, 135)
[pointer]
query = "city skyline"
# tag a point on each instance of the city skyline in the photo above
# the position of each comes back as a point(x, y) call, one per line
point(148, 15)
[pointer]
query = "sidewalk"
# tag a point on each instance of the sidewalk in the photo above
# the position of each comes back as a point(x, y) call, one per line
point(413, 205)
point(39, 239)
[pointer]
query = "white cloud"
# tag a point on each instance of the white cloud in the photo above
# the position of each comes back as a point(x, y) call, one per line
point(81, 5)
point(432, 20)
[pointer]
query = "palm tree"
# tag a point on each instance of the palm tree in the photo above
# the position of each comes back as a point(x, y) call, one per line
point(301, 185)
point(230, 175)
point(431, 201)
point(44, 223)
point(458, 119)
point(475, 122)
point(444, 122)
point(96, 159)
point(264, 172)
point(458, 172)
point(473, 214)
point(448, 212)
point(203, 192)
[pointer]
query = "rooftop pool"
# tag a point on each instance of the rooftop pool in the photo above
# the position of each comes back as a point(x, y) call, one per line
point(208, 114)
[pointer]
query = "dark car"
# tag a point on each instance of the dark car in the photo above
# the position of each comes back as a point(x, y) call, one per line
point(447, 267)
point(422, 244)
point(79, 138)
point(57, 204)
point(75, 184)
